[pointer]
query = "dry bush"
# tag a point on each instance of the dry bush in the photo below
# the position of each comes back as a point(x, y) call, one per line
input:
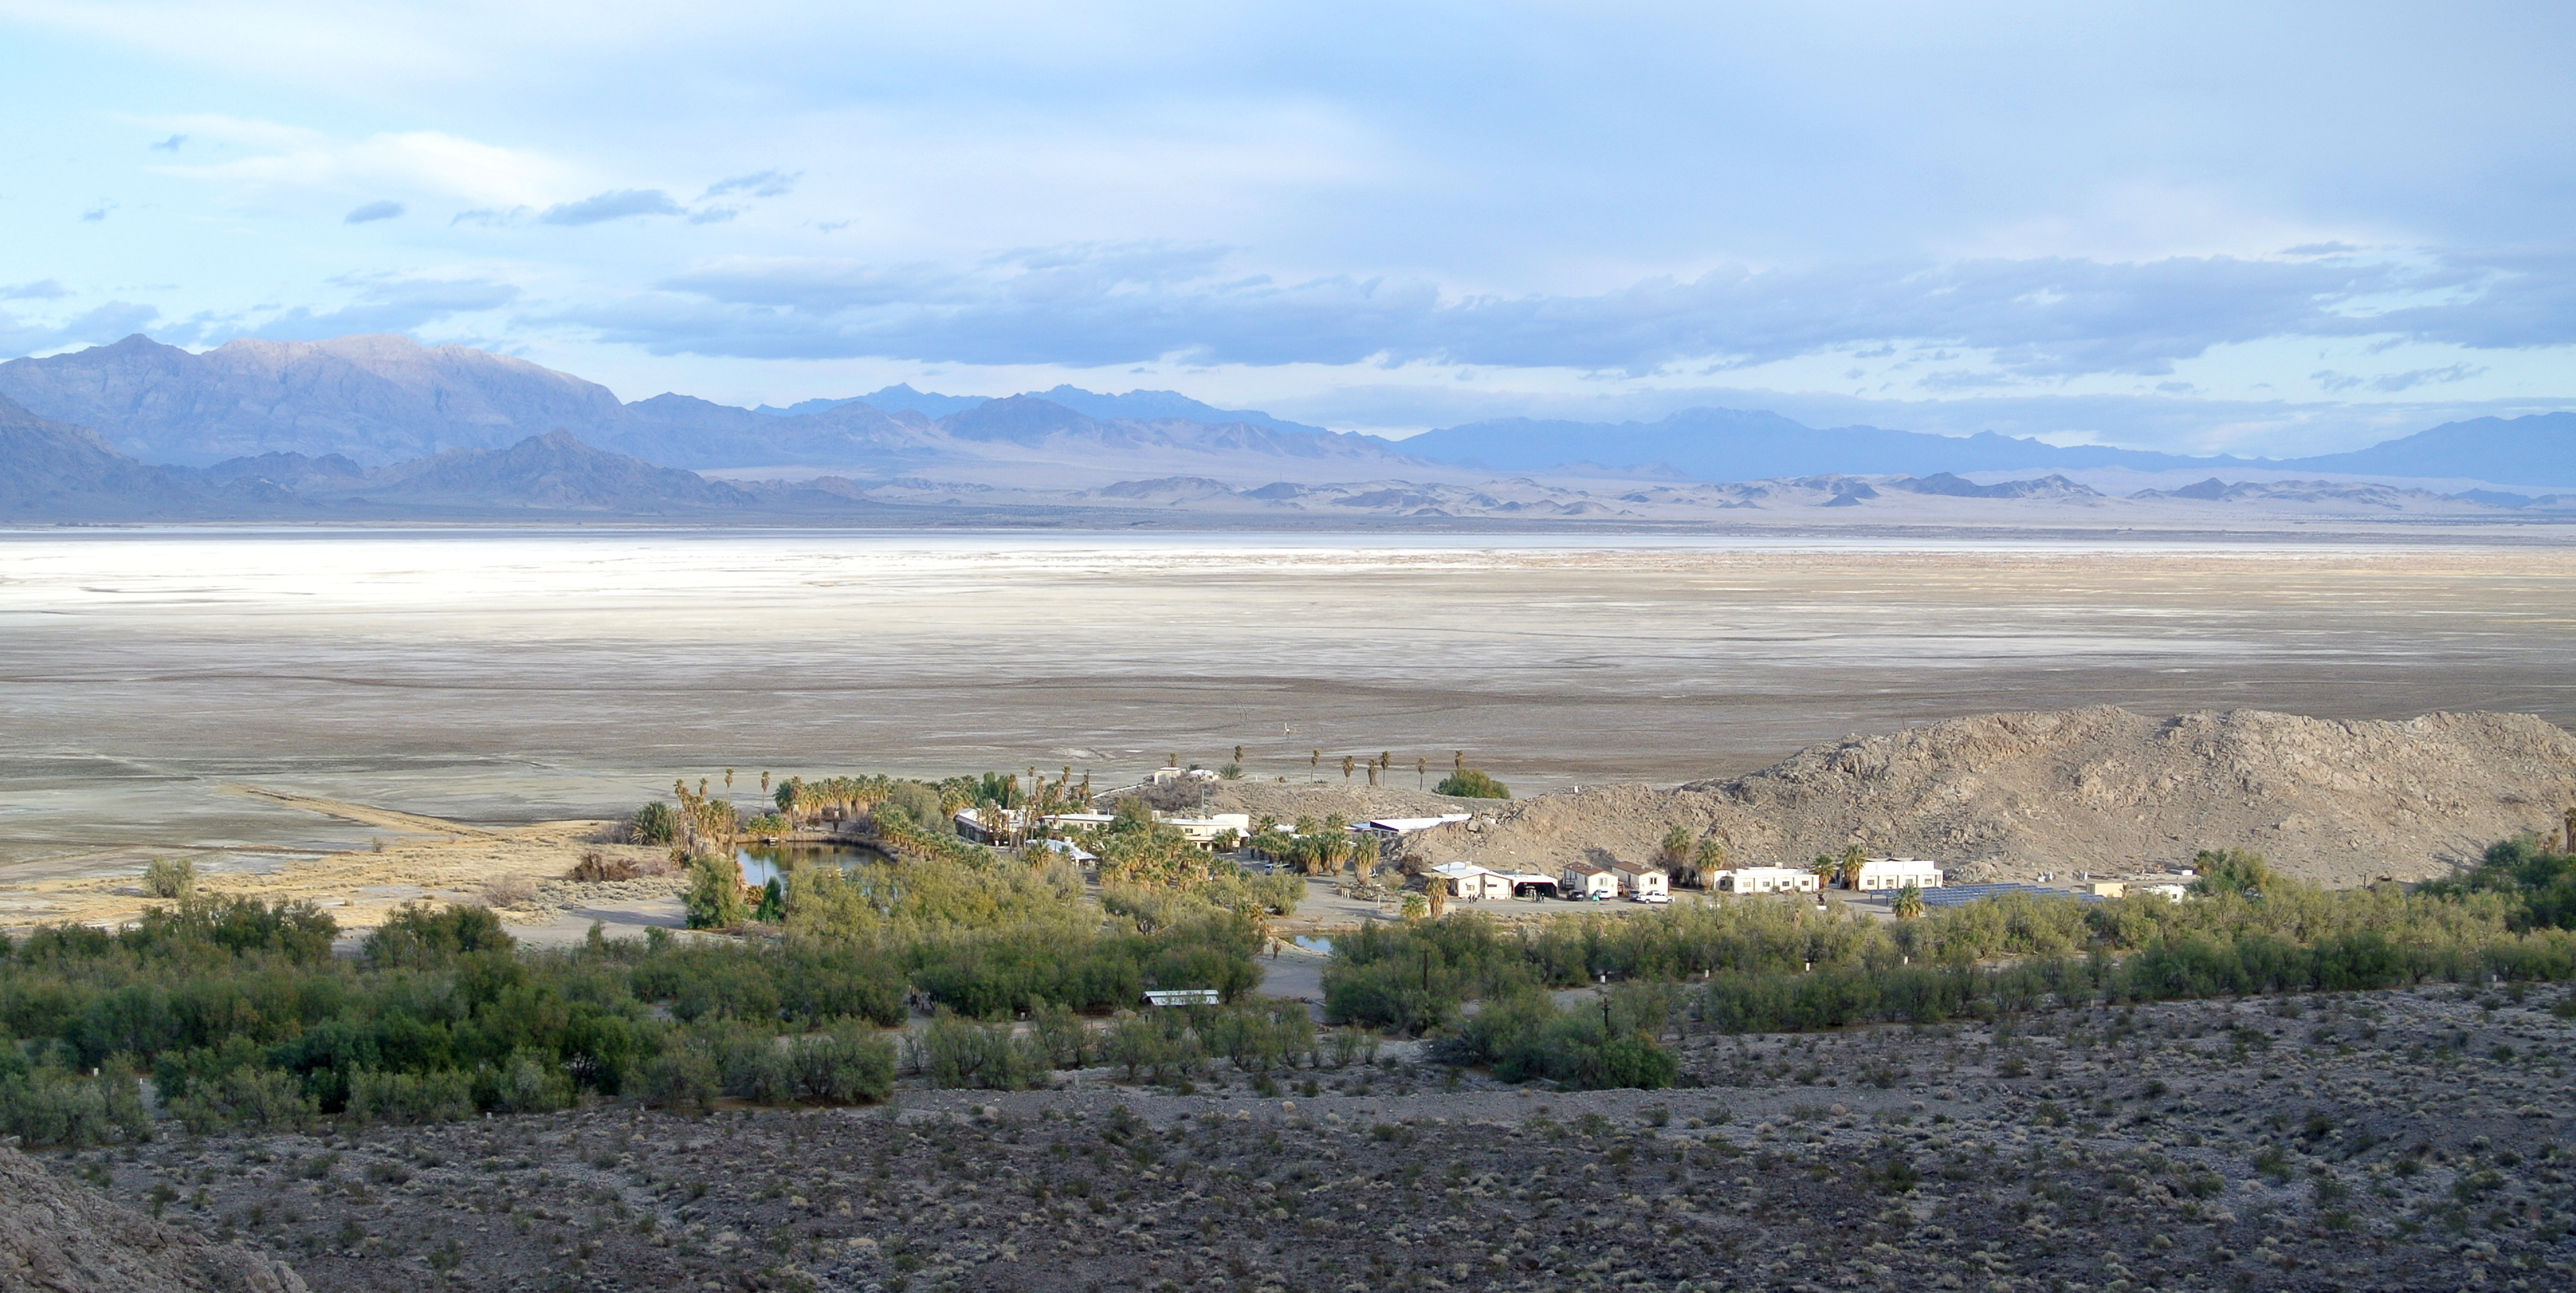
point(509, 891)
point(594, 867)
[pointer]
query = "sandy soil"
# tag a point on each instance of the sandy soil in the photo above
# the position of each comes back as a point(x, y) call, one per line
point(437, 859)
point(2399, 1140)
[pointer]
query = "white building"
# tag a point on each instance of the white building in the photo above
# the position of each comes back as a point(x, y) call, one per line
point(1584, 880)
point(1467, 880)
point(1766, 879)
point(1896, 873)
point(1637, 880)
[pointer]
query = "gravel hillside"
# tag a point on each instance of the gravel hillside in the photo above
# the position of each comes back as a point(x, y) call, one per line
point(2007, 796)
point(62, 1237)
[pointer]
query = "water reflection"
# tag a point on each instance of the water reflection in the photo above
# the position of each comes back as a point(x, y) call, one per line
point(761, 862)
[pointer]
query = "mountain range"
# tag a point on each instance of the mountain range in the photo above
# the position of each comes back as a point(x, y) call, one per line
point(350, 408)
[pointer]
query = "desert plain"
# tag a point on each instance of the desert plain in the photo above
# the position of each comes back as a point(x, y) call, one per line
point(502, 679)
point(368, 718)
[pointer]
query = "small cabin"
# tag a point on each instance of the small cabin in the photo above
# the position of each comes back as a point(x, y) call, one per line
point(1585, 880)
point(1637, 880)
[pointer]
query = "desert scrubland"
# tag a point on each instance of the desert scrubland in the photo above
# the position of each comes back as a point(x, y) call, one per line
point(929, 1073)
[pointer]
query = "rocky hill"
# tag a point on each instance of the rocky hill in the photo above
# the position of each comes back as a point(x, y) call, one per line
point(376, 399)
point(551, 472)
point(64, 1239)
point(49, 470)
point(2102, 789)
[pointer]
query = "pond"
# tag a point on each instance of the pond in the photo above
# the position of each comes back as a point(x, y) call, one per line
point(761, 862)
point(1314, 943)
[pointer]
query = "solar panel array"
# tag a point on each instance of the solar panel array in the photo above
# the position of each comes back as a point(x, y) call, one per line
point(1957, 894)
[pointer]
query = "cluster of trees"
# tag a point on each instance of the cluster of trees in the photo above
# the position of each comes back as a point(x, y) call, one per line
point(1315, 846)
point(2538, 879)
point(1689, 858)
point(1766, 965)
point(240, 1015)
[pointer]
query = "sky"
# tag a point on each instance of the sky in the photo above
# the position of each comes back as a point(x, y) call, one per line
point(2281, 228)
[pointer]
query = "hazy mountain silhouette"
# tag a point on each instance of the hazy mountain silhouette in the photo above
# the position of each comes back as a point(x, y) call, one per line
point(378, 400)
point(374, 399)
point(2536, 450)
point(1731, 444)
point(50, 471)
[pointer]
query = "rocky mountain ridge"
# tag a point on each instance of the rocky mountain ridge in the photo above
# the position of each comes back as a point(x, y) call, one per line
point(382, 399)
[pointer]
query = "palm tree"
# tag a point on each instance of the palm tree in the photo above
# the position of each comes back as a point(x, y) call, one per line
point(1421, 772)
point(1347, 763)
point(1908, 902)
point(1823, 868)
point(764, 781)
point(1364, 856)
point(728, 781)
point(1847, 867)
point(1709, 856)
point(1315, 765)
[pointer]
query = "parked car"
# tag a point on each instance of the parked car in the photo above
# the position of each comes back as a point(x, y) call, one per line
point(1650, 897)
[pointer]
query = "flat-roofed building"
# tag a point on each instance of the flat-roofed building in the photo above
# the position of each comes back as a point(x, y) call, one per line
point(1896, 873)
point(1766, 879)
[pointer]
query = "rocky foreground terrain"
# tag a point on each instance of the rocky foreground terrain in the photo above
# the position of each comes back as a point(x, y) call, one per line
point(2399, 1140)
point(2008, 796)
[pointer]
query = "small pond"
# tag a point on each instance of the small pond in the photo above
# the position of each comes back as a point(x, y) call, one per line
point(761, 862)
point(1314, 943)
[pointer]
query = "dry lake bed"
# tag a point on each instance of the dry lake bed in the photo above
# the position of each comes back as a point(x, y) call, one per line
point(502, 676)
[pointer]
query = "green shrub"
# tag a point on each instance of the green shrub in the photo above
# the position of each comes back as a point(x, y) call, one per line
point(294, 929)
point(958, 1053)
point(714, 898)
point(847, 1065)
point(410, 1098)
point(250, 1098)
point(170, 878)
point(681, 1077)
point(654, 823)
point(1060, 1035)
point(531, 1083)
point(47, 1106)
point(1157, 1045)
point(421, 934)
point(1472, 783)
point(1527, 1037)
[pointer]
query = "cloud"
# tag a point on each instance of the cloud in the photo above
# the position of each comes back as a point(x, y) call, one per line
point(110, 322)
point(388, 304)
point(97, 213)
point(43, 289)
point(373, 211)
point(170, 145)
point(492, 217)
point(2046, 318)
point(759, 184)
point(615, 204)
point(713, 215)
point(292, 159)
point(2395, 382)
